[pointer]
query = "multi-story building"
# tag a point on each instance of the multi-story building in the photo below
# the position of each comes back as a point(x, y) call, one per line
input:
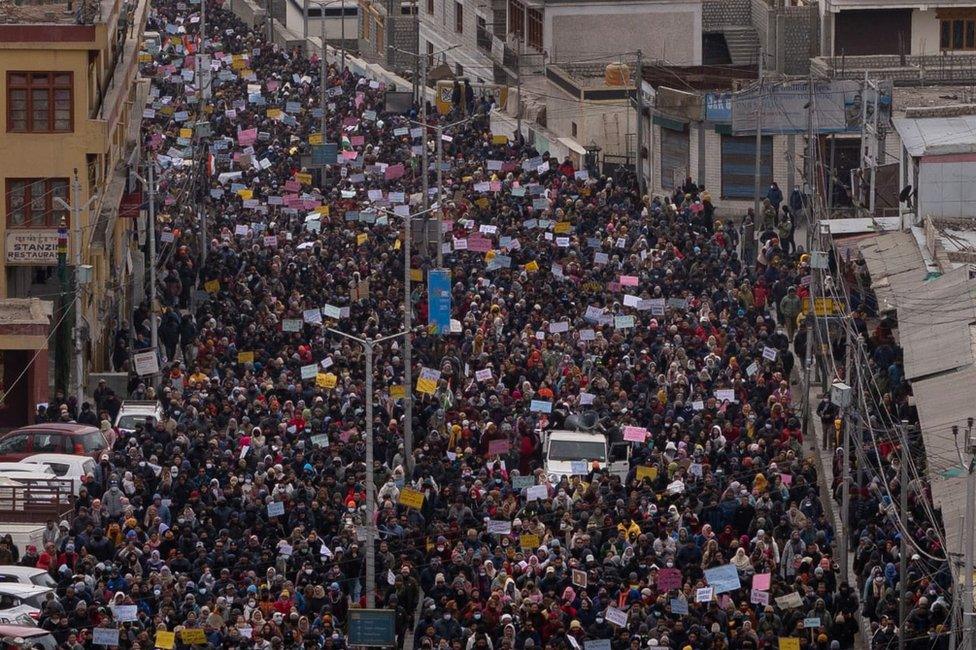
point(72, 104)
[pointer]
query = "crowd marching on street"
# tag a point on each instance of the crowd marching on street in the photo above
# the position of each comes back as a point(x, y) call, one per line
point(237, 520)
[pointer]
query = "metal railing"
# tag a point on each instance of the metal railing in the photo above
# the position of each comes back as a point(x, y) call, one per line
point(35, 500)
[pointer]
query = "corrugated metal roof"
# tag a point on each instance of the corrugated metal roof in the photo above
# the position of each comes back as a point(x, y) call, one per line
point(929, 136)
point(933, 323)
point(944, 401)
point(895, 265)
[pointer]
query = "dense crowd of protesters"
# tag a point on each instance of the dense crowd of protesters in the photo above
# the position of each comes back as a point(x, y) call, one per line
point(241, 512)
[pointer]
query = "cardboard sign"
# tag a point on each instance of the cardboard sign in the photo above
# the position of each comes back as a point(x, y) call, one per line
point(530, 541)
point(761, 581)
point(213, 286)
point(789, 643)
point(579, 578)
point(757, 597)
point(245, 357)
point(499, 527)
point(498, 447)
point(193, 636)
point(723, 578)
point(411, 498)
point(646, 472)
point(105, 636)
point(165, 640)
point(276, 509)
point(635, 434)
point(791, 600)
point(125, 613)
point(704, 595)
point(616, 616)
point(536, 492)
point(427, 381)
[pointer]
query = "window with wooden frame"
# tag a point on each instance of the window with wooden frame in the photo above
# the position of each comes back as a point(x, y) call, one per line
point(31, 202)
point(430, 7)
point(458, 17)
point(957, 29)
point(516, 18)
point(39, 102)
point(535, 28)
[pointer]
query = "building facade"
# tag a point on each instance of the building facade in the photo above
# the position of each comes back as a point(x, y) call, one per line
point(72, 104)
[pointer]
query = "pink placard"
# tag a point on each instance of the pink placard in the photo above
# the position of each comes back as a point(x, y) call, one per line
point(498, 447)
point(247, 137)
point(357, 140)
point(393, 172)
point(293, 186)
point(760, 581)
point(349, 155)
point(668, 579)
point(628, 280)
point(635, 434)
point(479, 244)
point(787, 479)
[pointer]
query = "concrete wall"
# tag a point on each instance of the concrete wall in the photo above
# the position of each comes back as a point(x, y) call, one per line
point(439, 30)
point(717, 14)
point(789, 35)
point(708, 158)
point(670, 32)
point(925, 32)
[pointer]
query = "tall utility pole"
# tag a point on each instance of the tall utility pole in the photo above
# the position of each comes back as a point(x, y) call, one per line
point(864, 127)
point(518, 83)
point(424, 162)
point(845, 505)
point(151, 234)
point(76, 230)
point(370, 477)
point(323, 81)
point(203, 60)
point(970, 525)
point(757, 181)
point(407, 352)
point(440, 196)
point(877, 145)
point(639, 162)
point(810, 166)
point(903, 546)
point(62, 367)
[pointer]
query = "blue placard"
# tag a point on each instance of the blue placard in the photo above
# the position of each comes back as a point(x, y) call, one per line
point(324, 154)
point(540, 406)
point(439, 300)
point(679, 606)
point(723, 578)
point(372, 627)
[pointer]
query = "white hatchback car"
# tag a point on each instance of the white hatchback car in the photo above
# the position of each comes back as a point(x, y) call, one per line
point(79, 469)
point(26, 575)
point(18, 601)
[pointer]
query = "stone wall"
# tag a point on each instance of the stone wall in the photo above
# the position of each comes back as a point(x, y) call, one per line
point(717, 14)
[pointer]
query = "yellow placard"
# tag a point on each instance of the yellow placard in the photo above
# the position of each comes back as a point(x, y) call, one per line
point(245, 194)
point(274, 113)
point(532, 266)
point(165, 640)
point(397, 245)
point(145, 57)
point(316, 138)
point(562, 227)
point(499, 139)
point(186, 133)
point(426, 386)
point(247, 73)
point(411, 498)
point(482, 203)
point(323, 210)
point(238, 64)
point(416, 275)
point(303, 178)
point(193, 636)
point(397, 391)
point(326, 380)
point(176, 40)
point(361, 238)
point(644, 471)
point(789, 643)
point(823, 306)
point(212, 286)
point(529, 541)
point(245, 357)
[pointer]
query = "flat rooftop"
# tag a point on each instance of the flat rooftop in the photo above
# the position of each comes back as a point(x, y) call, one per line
point(36, 12)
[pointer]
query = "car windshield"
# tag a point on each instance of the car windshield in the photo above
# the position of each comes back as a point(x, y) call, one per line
point(577, 450)
point(131, 421)
point(37, 600)
point(91, 441)
point(44, 580)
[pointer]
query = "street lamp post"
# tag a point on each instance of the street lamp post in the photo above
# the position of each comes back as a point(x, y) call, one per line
point(370, 478)
point(342, 24)
point(407, 345)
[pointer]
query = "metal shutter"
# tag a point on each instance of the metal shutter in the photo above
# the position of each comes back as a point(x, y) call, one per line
point(675, 157)
point(739, 166)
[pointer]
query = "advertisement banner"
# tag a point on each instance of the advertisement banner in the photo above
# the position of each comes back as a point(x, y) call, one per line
point(439, 300)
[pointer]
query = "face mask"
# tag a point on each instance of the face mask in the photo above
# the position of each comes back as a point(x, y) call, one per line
point(447, 617)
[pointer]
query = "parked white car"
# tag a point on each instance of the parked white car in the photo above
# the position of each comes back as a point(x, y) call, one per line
point(12, 467)
point(78, 469)
point(136, 412)
point(26, 575)
point(18, 601)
